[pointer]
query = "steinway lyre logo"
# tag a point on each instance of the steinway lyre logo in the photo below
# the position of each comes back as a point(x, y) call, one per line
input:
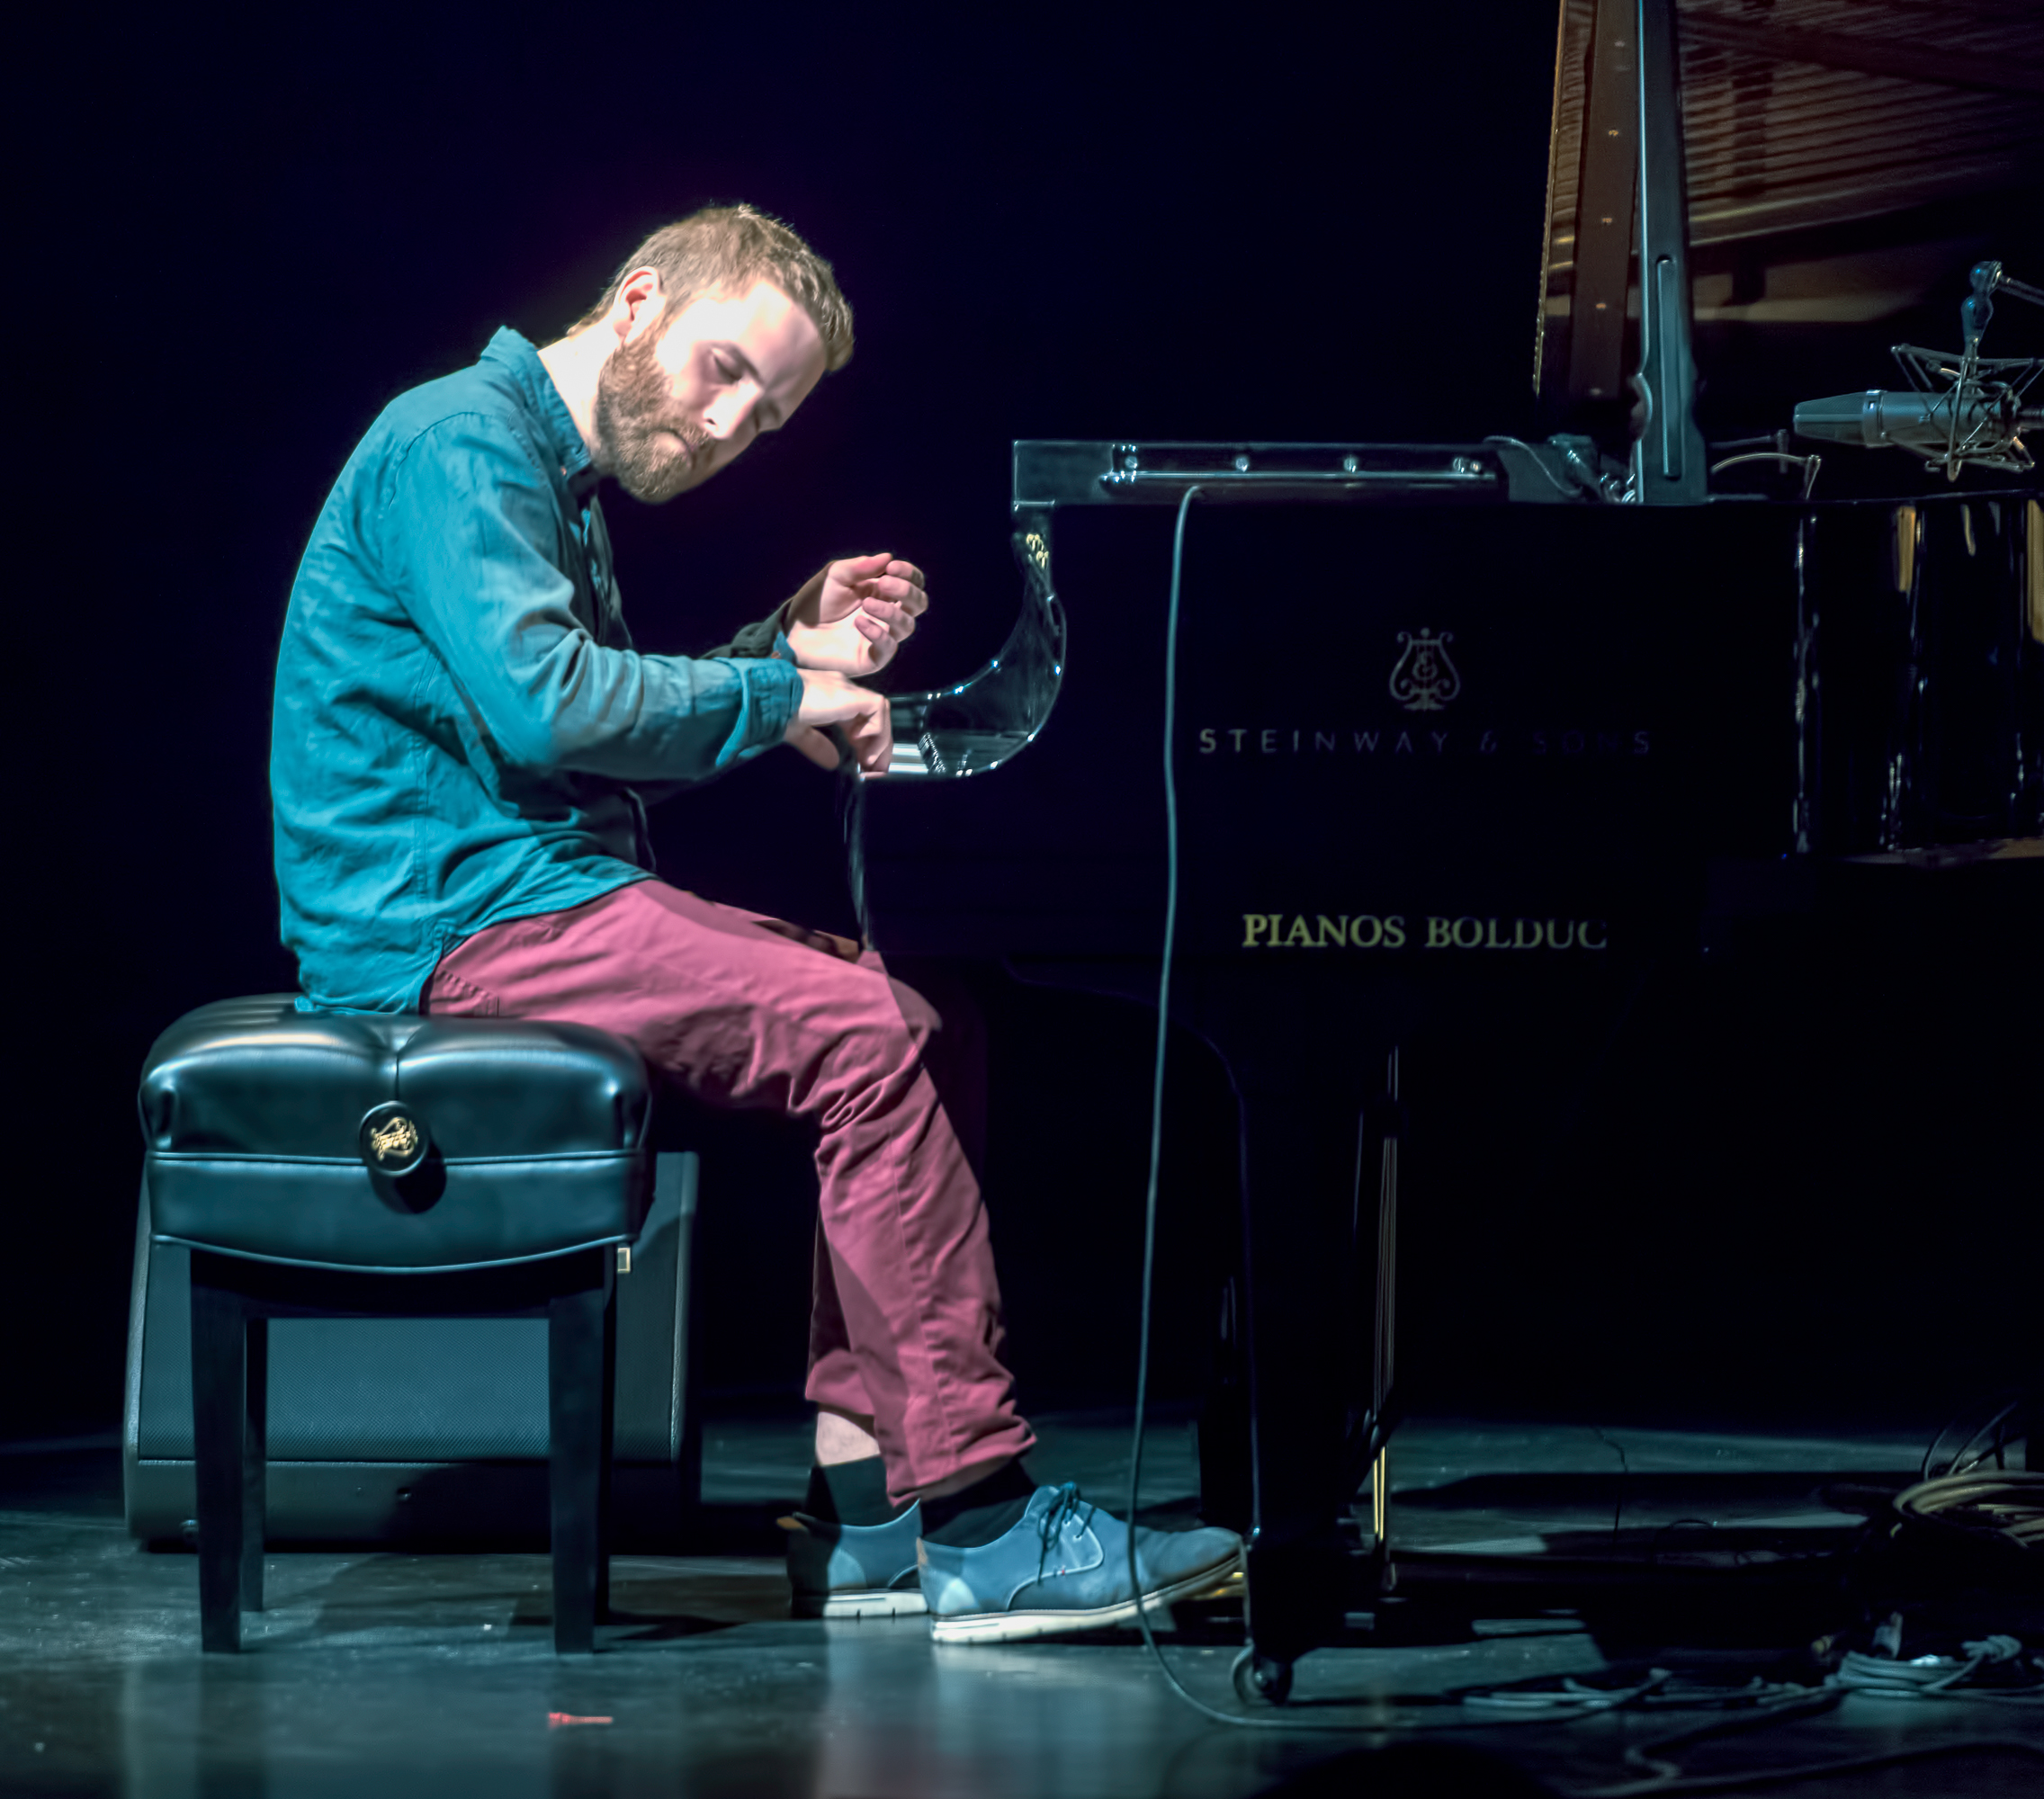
point(1422, 679)
point(394, 1142)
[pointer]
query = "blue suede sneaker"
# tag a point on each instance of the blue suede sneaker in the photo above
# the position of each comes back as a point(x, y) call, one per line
point(850, 1570)
point(1064, 1567)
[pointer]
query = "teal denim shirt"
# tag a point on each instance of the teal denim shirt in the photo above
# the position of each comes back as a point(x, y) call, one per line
point(464, 732)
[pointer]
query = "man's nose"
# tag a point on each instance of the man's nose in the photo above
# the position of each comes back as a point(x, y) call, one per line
point(731, 420)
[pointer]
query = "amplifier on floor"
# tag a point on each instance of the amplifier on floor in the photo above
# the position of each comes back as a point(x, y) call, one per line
point(421, 1431)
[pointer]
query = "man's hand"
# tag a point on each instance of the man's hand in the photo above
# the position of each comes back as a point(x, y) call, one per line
point(851, 616)
point(828, 698)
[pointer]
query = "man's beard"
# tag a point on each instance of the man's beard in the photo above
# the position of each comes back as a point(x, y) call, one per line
point(634, 415)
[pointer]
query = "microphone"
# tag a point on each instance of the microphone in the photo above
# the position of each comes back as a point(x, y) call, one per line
point(1933, 424)
point(1980, 416)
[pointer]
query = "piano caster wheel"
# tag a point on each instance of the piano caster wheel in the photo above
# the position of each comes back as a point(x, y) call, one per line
point(1261, 1680)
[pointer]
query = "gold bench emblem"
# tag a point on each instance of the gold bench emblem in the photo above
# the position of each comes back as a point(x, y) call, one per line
point(394, 1142)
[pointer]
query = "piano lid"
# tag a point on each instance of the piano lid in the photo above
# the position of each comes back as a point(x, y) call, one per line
point(1797, 115)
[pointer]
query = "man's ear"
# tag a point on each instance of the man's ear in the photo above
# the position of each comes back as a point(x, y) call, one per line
point(639, 302)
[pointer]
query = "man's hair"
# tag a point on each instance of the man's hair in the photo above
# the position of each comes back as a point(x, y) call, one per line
point(725, 249)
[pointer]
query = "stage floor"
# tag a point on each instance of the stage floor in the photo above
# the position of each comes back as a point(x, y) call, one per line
point(373, 1676)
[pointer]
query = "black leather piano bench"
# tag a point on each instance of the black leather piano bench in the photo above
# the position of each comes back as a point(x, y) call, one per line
point(327, 1164)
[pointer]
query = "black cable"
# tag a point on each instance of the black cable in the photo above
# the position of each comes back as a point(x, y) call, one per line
point(1157, 1139)
point(1678, 1782)
point(1156, 1159)
point(1593, 490)
point(1625, 1474)
point(1995, 1426)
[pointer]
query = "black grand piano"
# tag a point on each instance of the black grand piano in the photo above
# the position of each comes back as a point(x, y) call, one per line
point(1512, 716)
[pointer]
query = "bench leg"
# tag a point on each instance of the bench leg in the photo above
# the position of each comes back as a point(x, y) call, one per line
point(254, 1458)
point(220, 1415)
point(579, 1339)
point(607, 1387)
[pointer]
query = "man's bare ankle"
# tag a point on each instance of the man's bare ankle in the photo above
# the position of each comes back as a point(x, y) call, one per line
point(841, 1437)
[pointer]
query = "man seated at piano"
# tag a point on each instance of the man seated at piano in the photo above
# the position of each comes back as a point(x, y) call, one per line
point(464, 741)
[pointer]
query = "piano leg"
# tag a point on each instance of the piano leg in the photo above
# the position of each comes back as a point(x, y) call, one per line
point(1225, 1491)
point(1298, 1149)
point(1384, 1308)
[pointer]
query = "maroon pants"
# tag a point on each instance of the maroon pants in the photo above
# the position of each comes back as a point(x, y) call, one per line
point(745, 1011)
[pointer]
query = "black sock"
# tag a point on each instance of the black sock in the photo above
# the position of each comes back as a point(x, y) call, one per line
point(850, 1492)
point(973, 1516)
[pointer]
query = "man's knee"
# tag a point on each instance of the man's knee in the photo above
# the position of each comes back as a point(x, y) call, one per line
point(921, 1020)
point(886, 1043)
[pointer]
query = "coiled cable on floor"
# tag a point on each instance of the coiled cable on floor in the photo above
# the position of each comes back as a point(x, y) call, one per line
point(1943, 1676)
point(2005, 1509)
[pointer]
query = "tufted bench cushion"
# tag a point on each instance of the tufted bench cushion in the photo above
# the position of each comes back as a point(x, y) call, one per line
point(530, 1139)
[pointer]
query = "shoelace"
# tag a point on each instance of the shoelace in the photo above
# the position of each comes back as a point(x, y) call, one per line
point(1066, 1504)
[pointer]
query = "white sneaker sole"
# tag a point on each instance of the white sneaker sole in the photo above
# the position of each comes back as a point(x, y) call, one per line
point(1019, 1626)
point(887, 1602)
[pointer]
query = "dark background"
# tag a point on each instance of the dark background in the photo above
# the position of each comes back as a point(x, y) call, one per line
point(234, 243)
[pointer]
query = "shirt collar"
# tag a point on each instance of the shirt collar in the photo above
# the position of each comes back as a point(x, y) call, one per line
point(513, 352)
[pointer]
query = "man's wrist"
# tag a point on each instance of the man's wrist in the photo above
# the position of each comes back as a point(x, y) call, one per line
point(770, 696)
